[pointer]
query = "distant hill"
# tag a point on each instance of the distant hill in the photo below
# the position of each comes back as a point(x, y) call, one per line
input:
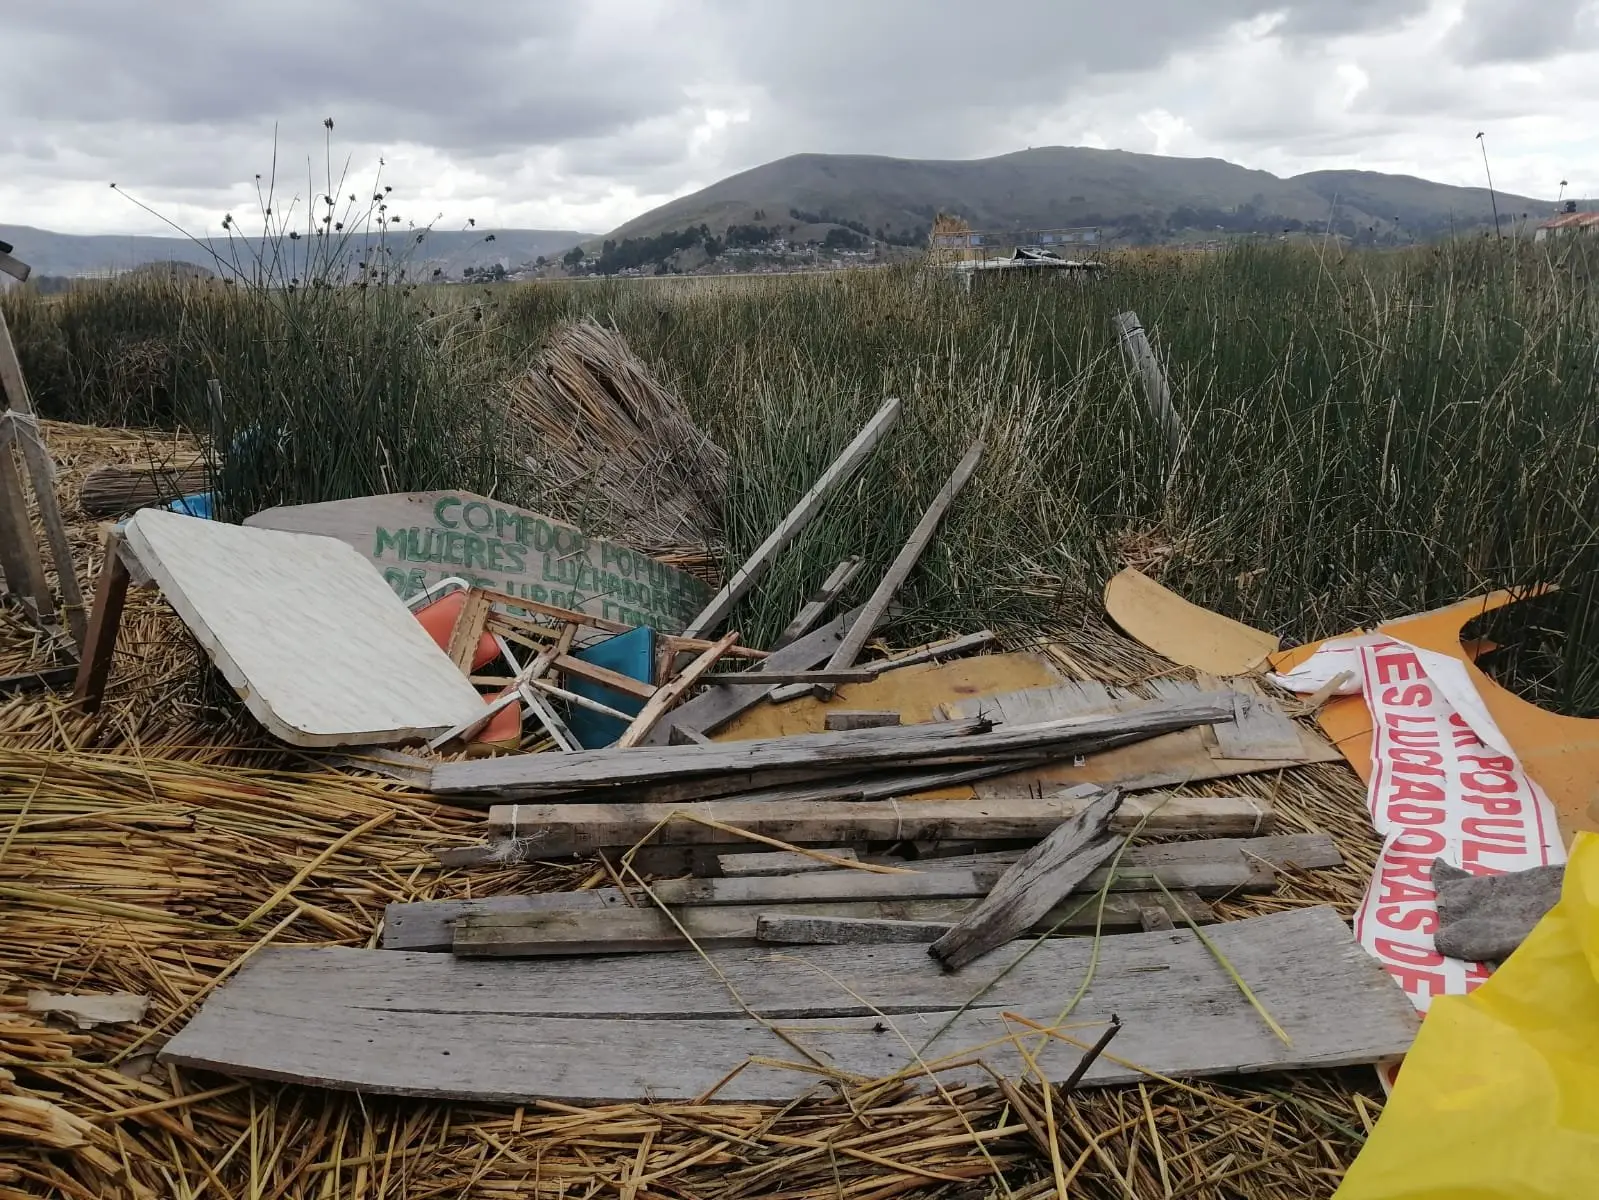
point(1140, 197)
point(69, 254)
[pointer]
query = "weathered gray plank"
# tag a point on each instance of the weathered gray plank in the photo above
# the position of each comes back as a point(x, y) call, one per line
point(429, 925)
point(1259, 728)
point(433, 1026)
point(842, 719)
point(786, 929)
point(838, 471)
point(528, 775)
point(559, 829)
point(716, 706)
point(818, 601)
point(1032, 885)
point(778, 862)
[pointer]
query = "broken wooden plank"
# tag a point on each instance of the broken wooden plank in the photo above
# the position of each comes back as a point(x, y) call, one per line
point(841, 720)
point(467, 631)
point(561, 829)
point(818, 601)
point(839, 471)
point(668, 694)
point(391, 764)
point(665, 1027)
point(1260, 729)
point(716, 706)
point(953, 647)
point(778, 862)
point(531, 775)
point(430, 924)
point(19, 548)
point(1032, 885)
point(1152, 920)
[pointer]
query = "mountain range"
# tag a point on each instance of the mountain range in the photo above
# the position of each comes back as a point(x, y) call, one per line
point(1142, 197)
point(1132, 197)
point(452, 251)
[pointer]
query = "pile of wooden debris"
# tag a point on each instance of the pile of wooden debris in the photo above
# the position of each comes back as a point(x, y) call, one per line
point(817, 919)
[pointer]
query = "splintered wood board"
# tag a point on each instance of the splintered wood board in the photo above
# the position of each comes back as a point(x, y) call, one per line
point(665, 1027)
point(318, 646)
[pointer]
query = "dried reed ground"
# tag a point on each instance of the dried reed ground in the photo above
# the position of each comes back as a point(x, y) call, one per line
point(154, 847)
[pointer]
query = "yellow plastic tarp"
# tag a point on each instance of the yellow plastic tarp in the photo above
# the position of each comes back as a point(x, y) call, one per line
point(1499, 1096)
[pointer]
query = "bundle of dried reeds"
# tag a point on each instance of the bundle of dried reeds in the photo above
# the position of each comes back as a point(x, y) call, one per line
point(610, 444)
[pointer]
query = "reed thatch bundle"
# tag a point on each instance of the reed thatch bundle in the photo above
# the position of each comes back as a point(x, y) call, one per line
point(615, 447)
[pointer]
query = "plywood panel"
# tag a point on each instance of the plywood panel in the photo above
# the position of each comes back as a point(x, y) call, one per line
point(320, 649)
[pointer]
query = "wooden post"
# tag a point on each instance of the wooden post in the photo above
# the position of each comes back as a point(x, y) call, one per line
point(42, 471)
point(1157, 392)
point(19, 550)
point(99, 643)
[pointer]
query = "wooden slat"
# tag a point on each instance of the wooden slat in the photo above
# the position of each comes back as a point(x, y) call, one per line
point(716, 706)
point(768, 678)
point(604, 676)
point(668, 694)
point(467, 631)
point(838, 721)
point(45, 680)
point(560, 829)
point(1033, 884)
point(429, 925)
point(818, 601)
point(530, 775)
point(905, 562)
point(436, 1026)
point(1157, 393)
point(1260, 729)
point(787, 929)
point(19, 548)
point(839, 471)
point(778, 862)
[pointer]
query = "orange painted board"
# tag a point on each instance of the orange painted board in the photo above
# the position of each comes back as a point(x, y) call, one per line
point(1560, 753)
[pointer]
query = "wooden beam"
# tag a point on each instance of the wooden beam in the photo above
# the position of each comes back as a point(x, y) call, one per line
point(566, 616)
point(561, 829)
point(778, 862)
point(19, 548)
point(669, 694)
point(818, 602)
point(1031, 886)
point(99, 643)
point(950, 742)
point(37, 681)
point(604, 676)
point(842, 467)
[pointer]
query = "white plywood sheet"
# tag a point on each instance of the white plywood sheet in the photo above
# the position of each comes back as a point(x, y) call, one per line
point(306, 630)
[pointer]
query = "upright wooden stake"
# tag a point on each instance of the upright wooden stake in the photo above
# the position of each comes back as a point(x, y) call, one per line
point(99, 643)
point(1157, 392)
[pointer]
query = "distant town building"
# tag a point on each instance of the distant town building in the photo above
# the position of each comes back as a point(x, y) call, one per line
point(1568, 223)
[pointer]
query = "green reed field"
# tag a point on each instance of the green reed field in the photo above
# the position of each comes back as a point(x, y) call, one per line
point(1365, 435)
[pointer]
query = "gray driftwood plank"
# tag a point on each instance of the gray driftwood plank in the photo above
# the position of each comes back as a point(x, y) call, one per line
point(528, 775)
point(429, 925)
point(716, 706)
point(1032, 885)
point(837, 720)
point(787, 929)
point(818, 601)
point(1259, 728)
point(485, 1031)
point(554, 830)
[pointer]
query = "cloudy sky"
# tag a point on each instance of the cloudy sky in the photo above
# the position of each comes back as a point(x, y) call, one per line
point(561, 114)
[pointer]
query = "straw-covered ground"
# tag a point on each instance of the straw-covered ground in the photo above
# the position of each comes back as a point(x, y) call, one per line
point(154, 847)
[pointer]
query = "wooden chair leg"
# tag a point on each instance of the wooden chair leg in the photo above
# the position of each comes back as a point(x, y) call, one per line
point(110, 593)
